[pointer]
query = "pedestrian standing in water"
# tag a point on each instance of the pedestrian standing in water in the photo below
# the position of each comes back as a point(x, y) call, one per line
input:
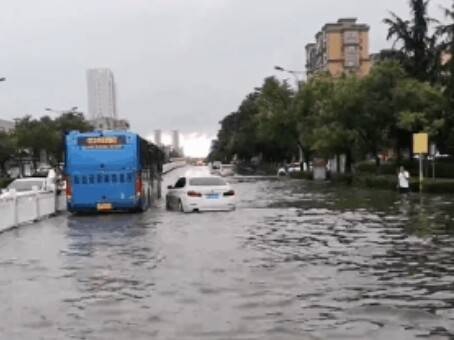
point(403, 181)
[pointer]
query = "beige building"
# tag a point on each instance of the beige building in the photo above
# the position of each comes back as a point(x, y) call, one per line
point(340, 48)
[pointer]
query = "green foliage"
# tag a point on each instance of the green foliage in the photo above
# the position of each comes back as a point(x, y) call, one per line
point(360, 118)
point(420, 50)
point(7, 148)
point(31, 136)
point(307, 175)
point(4, 182)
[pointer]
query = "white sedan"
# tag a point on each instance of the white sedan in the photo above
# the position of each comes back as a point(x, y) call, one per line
point(209, 193)
point(23, 186)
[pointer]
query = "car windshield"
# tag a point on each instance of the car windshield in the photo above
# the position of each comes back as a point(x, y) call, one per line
point(207, 181)
point(25, 185)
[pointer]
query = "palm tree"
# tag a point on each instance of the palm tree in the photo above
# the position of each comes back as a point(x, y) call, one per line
point(448, 48)
point(420, 51)
point(447, 31)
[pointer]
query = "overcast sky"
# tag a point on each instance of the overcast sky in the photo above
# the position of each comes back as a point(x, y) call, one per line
point(178, 64)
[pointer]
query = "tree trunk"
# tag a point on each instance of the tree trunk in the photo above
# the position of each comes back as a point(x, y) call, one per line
point(348, 162)
point(377, 160)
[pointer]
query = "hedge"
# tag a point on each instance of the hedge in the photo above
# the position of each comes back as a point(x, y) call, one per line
point(302, 175)
point(4, 182)
point(387, 182)
point(443, 168)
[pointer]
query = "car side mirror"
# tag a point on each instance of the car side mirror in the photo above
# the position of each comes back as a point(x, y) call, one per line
point(169, 187)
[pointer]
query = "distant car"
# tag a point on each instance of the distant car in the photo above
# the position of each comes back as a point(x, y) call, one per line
point(294, 167)
point(23, 186)
point(191, 194)
point(200, 163)
point(281, 172)
point(226, 170)
point(215, 168)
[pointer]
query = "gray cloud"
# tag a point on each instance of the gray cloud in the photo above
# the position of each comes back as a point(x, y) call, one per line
point(178, 63)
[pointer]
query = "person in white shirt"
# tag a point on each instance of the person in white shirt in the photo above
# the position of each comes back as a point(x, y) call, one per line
point(403, 181)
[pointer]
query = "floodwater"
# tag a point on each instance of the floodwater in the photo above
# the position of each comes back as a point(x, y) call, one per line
point(296, 260)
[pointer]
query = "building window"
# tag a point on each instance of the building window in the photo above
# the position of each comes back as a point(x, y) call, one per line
point(351, 37)
point(351, 56)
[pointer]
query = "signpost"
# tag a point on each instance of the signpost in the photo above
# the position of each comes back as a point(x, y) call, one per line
point(420, 148)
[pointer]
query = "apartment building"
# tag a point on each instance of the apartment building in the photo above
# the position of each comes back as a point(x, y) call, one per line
point(340, 48)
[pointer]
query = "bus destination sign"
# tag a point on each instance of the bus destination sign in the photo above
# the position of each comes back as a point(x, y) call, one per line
point(102, 142)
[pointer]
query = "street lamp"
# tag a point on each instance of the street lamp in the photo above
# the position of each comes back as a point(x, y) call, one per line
point(61, 112)
point(294, 73)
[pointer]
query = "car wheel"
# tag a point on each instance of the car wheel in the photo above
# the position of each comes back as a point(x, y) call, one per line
point(168, 205)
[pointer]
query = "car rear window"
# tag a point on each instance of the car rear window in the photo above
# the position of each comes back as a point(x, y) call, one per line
point(207, 181)
point(25, 185)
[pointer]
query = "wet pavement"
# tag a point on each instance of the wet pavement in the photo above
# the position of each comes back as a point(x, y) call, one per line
point(296, 260)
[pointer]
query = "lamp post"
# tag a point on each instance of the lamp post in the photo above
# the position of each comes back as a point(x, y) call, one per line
point(295, 73)
point(61, 112)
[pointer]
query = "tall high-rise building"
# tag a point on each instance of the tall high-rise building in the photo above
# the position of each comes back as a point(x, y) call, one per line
point(158, 137)
point(340, 48)
point(176, 140)
point(102, 102)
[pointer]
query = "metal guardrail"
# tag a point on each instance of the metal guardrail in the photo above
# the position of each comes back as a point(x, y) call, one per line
point(33, 206)
point(172, 166)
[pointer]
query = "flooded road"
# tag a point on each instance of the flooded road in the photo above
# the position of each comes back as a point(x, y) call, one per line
point(296, 260)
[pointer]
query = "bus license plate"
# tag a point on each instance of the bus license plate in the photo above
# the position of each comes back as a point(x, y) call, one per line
point(104, 206)
point(213, 196)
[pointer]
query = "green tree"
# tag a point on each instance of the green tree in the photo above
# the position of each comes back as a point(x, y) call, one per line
point(46, 134)
point(277, 129)
point(447, 31)
point(309, 104)
point(7, 149)
point(421, 108)
point(420, 48)
point(71, 121)
point(377, 125)
point(336, 129)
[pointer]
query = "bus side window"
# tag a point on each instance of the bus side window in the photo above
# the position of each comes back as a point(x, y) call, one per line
point(106, 178)
point(122, 178)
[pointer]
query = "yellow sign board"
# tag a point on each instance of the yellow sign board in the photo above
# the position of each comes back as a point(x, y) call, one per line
point(420, 143)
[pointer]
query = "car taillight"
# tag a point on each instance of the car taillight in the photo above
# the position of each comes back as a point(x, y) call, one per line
point(194, 194)
point(69, 189)
point(229, 193)
point(139, 186)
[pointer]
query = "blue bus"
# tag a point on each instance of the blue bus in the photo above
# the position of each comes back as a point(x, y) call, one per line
point(111, 171)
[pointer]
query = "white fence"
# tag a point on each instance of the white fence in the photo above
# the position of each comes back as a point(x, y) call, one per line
point(18, 209)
